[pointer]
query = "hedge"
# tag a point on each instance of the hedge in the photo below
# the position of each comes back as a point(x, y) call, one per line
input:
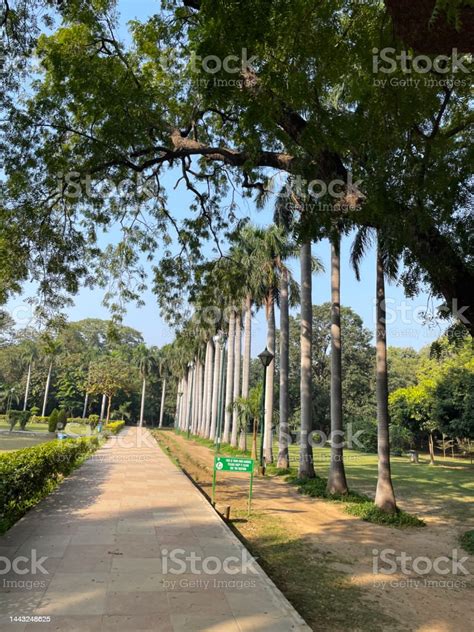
point(28, 475)
point(114, 427)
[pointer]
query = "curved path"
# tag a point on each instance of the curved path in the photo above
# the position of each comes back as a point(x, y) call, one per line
point(130, 544)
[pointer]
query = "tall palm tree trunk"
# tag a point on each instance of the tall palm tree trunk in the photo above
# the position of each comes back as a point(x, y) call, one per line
point(229, 380)
point(185, 404)
point(209, 387)
point(142, 405)
point(384, 495)
point(337, 483)
point(215, 392)
point(306, 467)
point(283, 454)
point(246, 362)
point(268, 417)
point(202, 421)
point(237, 363)
point(86, 401)
point(162, 407)
point(27, 388)
point(102, 407)
point(46, 390)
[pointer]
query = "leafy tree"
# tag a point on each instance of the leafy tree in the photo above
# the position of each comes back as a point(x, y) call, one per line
point(108, 376)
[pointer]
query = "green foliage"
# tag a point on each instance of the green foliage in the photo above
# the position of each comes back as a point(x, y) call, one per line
point(93, 421)
point(22, 417)
point(62, 419)
point(467, 541)
point(114, 427)
point(26, 476)
point(356, 504)
point(53, 421)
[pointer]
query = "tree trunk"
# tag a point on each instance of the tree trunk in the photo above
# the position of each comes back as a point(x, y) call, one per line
point(102, 407)
point(246, 363)
point(229, 380)
point(215, 391)
point(86, 401)
point(283, 454)
point(306, 466)
point(254, 439)
point(46, 390)
point(189, 411)
point(196, 396)
point(337, 483)
point(184, 405)
point(384, 495)
point(202, 422)
point(209, 392)
point(27, 388)
point(142, 405)
point(431, 444)
point(108, 410)
point(269, 395)
point(162, 407)
point(236, 392)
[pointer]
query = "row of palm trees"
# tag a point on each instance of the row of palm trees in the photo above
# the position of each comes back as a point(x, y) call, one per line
point(211, 368)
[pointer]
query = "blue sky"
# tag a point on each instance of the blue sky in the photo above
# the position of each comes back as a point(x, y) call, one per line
point(405, 327)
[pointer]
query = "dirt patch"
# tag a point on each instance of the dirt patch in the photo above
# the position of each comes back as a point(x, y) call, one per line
point(431, 602)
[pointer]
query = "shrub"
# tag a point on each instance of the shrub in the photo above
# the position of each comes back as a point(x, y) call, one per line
point(21, 417)
point(40, 420)
point(62, 419)
point(53, 421)
point(78, 420)
point(28, 475)
point(93, 421)
point(34, 411)
point(114, 427)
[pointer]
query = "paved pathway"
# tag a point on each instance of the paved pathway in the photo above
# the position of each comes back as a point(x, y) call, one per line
point(112, 535)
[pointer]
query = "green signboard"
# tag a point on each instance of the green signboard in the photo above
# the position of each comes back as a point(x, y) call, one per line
point(232, 464)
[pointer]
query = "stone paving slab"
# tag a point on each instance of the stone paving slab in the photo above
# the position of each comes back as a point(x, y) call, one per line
point(128, 543)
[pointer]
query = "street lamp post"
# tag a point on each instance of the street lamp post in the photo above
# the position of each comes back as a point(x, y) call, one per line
point(265, 358)
point(220, 339)
point(191, 370)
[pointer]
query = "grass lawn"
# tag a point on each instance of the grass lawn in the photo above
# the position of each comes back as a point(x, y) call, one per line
point(445, 489)
point(9, 443)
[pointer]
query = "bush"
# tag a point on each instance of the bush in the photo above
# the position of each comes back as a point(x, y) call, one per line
point(114, 427)
point(53, 421)
point(28, 475)
point(62, 419)
point(78, 420)
point(21, 417)
point(93, 421)
point(37, 419)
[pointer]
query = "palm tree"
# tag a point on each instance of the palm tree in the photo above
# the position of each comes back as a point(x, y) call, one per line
point(50, 349)
point(337, 483)
point(230, 377)
point(386, 264)
point(236, 390)
point(306, 466)
point(29, 355)
point(145, 361)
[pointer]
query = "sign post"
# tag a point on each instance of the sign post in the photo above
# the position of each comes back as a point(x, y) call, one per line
point(232, 464)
